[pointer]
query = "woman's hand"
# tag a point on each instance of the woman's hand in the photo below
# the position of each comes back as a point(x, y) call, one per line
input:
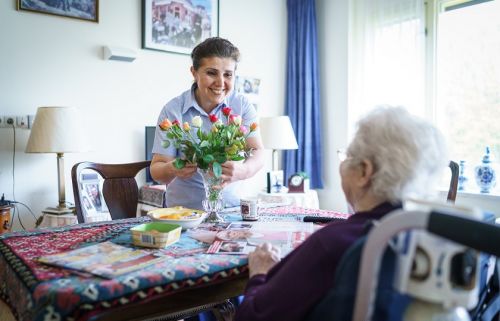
point(186, 172)
point(233, 171)
point(164, 171)
point(263, 259)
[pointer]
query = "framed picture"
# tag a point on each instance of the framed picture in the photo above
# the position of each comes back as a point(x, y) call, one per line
point(275, 181)
point(90, 185)
point(178, 26)
point(248, 87)
point(78, 9)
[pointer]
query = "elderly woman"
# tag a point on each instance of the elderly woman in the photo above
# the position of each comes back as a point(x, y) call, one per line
point(393, 155)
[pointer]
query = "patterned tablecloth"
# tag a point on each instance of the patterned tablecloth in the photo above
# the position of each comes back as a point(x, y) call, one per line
point(35, 291)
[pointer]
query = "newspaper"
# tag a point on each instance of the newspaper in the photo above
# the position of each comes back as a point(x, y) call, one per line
point(105, 259)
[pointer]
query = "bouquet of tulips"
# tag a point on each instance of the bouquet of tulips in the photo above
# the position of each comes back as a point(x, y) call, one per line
point(225, 141)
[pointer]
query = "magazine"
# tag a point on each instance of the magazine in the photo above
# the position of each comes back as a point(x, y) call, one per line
point(243, 237)
point(105, 259)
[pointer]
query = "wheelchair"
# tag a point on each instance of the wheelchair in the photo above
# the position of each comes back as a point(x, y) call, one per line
point(366, 285)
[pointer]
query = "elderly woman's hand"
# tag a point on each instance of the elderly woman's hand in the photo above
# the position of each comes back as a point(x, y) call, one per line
point(263, 259)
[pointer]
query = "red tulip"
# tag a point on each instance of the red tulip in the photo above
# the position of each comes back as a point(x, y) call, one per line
point(226, 111)
point(253, 127)
point(213, 118)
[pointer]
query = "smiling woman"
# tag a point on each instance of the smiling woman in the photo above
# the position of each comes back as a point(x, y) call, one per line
point(210, 98)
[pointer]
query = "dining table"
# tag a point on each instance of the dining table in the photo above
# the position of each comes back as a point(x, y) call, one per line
point(189, 279)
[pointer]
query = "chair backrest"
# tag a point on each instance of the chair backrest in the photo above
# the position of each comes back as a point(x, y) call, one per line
point(452, 191)
point(119, 189)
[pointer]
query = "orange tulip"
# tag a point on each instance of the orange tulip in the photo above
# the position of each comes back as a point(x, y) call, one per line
point(165, 124)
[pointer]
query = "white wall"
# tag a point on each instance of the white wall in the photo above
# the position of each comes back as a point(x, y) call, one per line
point(47, 60)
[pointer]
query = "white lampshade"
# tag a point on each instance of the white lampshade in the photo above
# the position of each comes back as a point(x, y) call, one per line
point(57, 130)
point(277, 133)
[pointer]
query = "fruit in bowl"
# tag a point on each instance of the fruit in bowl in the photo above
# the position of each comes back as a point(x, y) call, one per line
point(185, 217)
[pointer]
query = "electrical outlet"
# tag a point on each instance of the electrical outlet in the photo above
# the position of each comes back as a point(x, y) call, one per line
point(22, 122)
point(9, 121)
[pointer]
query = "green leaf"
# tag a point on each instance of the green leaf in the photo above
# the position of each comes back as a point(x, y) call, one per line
point(208, 158)
point(217, 169)
point(204, 144)
point(179, 163)
point(165, 143)
point(237, 158)
point(221, 158)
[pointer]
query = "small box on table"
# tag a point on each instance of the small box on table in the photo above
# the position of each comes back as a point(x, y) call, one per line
point(155, 234)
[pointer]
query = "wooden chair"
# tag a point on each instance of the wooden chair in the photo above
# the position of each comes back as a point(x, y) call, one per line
point(452, 191)
point(119, 189)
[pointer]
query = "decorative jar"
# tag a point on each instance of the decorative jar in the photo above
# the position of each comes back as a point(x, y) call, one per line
point(485, 174)
point(462, 179)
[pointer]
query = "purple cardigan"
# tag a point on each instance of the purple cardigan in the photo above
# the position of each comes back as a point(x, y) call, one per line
point(297, 283)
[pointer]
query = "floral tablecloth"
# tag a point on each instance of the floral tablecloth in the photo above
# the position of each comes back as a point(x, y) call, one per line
point(35, 291)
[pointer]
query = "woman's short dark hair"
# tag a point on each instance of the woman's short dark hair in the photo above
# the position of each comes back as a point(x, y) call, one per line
point(214, 47)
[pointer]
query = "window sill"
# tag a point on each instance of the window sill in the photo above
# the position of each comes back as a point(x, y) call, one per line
point(493, 196)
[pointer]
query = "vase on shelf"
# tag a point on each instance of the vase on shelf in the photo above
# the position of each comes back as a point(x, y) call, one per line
point(485, 174)
point(213, 201)
point(462, 179)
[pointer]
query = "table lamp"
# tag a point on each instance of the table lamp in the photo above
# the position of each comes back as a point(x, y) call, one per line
point(57, 130)
point(277, 134)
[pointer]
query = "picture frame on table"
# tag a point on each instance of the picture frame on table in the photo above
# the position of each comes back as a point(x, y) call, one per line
point(275, 181)
point(90, 186)
point(87, 10)
point(169, 25)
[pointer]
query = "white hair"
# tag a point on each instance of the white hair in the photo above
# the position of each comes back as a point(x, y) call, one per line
point(408, 153)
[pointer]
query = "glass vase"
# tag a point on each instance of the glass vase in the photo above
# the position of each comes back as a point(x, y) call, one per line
point(213, 201)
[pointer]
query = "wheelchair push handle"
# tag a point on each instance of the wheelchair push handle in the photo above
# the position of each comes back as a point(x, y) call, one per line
point(484, 237)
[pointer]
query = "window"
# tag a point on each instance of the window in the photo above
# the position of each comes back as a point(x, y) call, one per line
point(467, 100)
point(438, 58)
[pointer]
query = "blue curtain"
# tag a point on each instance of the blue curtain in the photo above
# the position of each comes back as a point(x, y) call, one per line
point(302, 92)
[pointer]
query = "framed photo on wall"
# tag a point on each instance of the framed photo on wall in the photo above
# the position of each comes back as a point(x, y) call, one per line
point(78, 9)
point(177, 26)
point(248, 87)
